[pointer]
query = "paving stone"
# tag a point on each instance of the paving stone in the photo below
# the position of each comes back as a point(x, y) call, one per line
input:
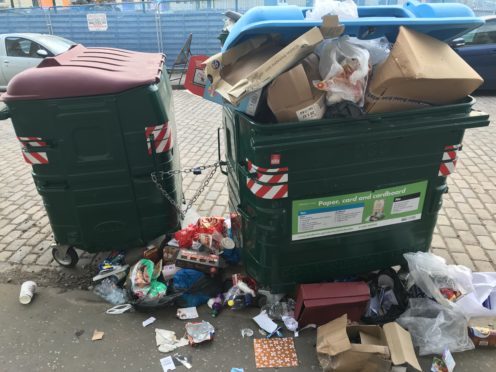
point(447, 231)
point(20, 254)
point(476, 252)
point(467, 237)
point(4, 255)
point(454, 245)
point(487, 243)
point(444, 254)
point(459, 224)
point(483, 266)
point(463, 259)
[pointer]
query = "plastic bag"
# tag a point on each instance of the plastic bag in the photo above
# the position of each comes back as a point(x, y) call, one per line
point(379, 49)
point(445, 283)
point(346, 9)
point(110, 292)
point(482, 301)
point(344, 68)
point(435, 327)
point(144, 283)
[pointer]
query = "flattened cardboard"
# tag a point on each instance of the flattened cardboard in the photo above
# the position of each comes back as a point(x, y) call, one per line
point(292, 97)
point(482, 331)
point(420, 71)
point(252, 64)
point(400, 345)
point(378, 349)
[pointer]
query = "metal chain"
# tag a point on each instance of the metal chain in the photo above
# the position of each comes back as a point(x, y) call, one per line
point(158, 179)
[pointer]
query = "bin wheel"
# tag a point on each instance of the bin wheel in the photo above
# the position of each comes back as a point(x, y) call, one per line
point(69, 258)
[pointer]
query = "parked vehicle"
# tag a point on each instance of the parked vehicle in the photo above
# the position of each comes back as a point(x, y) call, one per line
point(21, 51)
point(478, 48)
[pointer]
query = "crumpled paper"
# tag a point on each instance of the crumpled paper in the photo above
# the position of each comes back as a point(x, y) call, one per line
point(167, 340)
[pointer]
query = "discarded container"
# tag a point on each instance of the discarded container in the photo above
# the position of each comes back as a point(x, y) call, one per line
point(95, 123)
point(326, 198)
point(28, 289)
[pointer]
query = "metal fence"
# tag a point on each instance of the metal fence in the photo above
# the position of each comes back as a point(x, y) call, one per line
point(155, 26)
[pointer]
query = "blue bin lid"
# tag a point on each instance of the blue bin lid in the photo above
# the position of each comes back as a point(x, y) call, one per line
point(443, 21)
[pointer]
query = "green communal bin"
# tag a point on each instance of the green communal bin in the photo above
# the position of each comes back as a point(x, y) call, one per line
point(94, 123)
point(323, 199)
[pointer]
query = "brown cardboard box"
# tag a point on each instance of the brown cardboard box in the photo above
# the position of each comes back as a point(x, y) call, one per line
point(369, 348)
point(292, 97)
point(254, 63)
point(420, 71)
point(482, 331)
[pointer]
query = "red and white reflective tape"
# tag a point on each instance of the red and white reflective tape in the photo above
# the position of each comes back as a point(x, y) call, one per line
point(267, 183)
point(162, 138)
point(449, 160)
point(272, 178)
point(252, 168)
point(32, 141)
point(267, 191)
point(34, 158)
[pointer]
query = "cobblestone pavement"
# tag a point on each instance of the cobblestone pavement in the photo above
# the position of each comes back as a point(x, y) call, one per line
point(466, 231)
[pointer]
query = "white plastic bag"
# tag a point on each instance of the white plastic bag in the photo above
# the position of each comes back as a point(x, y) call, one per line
point(471, 305)
point(379, 49)
point(346, 9)
point(433, 276)
point(344, 69)
point(434, 327)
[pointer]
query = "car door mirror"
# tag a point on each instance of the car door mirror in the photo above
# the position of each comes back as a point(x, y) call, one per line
point(458, 42)
point(42, 53)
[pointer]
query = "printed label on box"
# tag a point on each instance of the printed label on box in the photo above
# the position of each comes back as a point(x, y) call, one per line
point(200, 79)
point(253, 99)
point(354, 212)
point(312, 112)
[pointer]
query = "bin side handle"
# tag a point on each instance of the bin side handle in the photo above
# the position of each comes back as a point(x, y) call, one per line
point(4, 112)
point(221, 162)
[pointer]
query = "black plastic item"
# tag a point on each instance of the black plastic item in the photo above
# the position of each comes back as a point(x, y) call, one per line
point(389, 278)
point(344, 109)
point(205, 286)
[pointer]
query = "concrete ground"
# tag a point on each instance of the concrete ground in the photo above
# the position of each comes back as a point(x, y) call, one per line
point(41, 336)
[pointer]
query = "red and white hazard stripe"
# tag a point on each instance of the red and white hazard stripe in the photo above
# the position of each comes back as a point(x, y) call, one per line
point(32, 157)
point(449, 160)
point(162, 138)
point(267, 183)
point(267, 191)
point(32, 141)
point(252, 168)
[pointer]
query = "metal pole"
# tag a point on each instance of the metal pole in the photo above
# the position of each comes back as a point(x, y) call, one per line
point(12, 3)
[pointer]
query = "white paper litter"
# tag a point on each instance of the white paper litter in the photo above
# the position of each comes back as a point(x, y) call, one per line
point(149, 321)
point(187, 313)
point(265, 322)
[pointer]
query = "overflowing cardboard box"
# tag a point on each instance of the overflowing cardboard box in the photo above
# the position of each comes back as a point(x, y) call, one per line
point(319, 303)
point(367, 348)
point(292, 96)
point(420, 71)
point(254, 63)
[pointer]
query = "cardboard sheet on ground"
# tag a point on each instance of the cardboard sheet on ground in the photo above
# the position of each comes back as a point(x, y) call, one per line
point(275, 353)
point(97, 335)
point(253, 64)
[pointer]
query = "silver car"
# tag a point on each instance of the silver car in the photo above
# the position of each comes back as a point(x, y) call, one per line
point(21, 51)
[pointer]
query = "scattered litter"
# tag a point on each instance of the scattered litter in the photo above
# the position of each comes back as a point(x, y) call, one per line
point(346, 9)
point(120, 272)
point(275, 353)
point(216, 304)
point(279, 309)
point(246, 332)
point(167, 364)
point(28, 289)
point(184, 360)
point(167, 340)
point(111, 292)
point(120, 309)
point(264, 322)
point(237, 370)
point(149, 321)
point(144, 283)
point(199, 332)
point(482, 331)
point(291, 324)
point(97, 335)
point(187, 313)
point(444, 364)
point(262, 332)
